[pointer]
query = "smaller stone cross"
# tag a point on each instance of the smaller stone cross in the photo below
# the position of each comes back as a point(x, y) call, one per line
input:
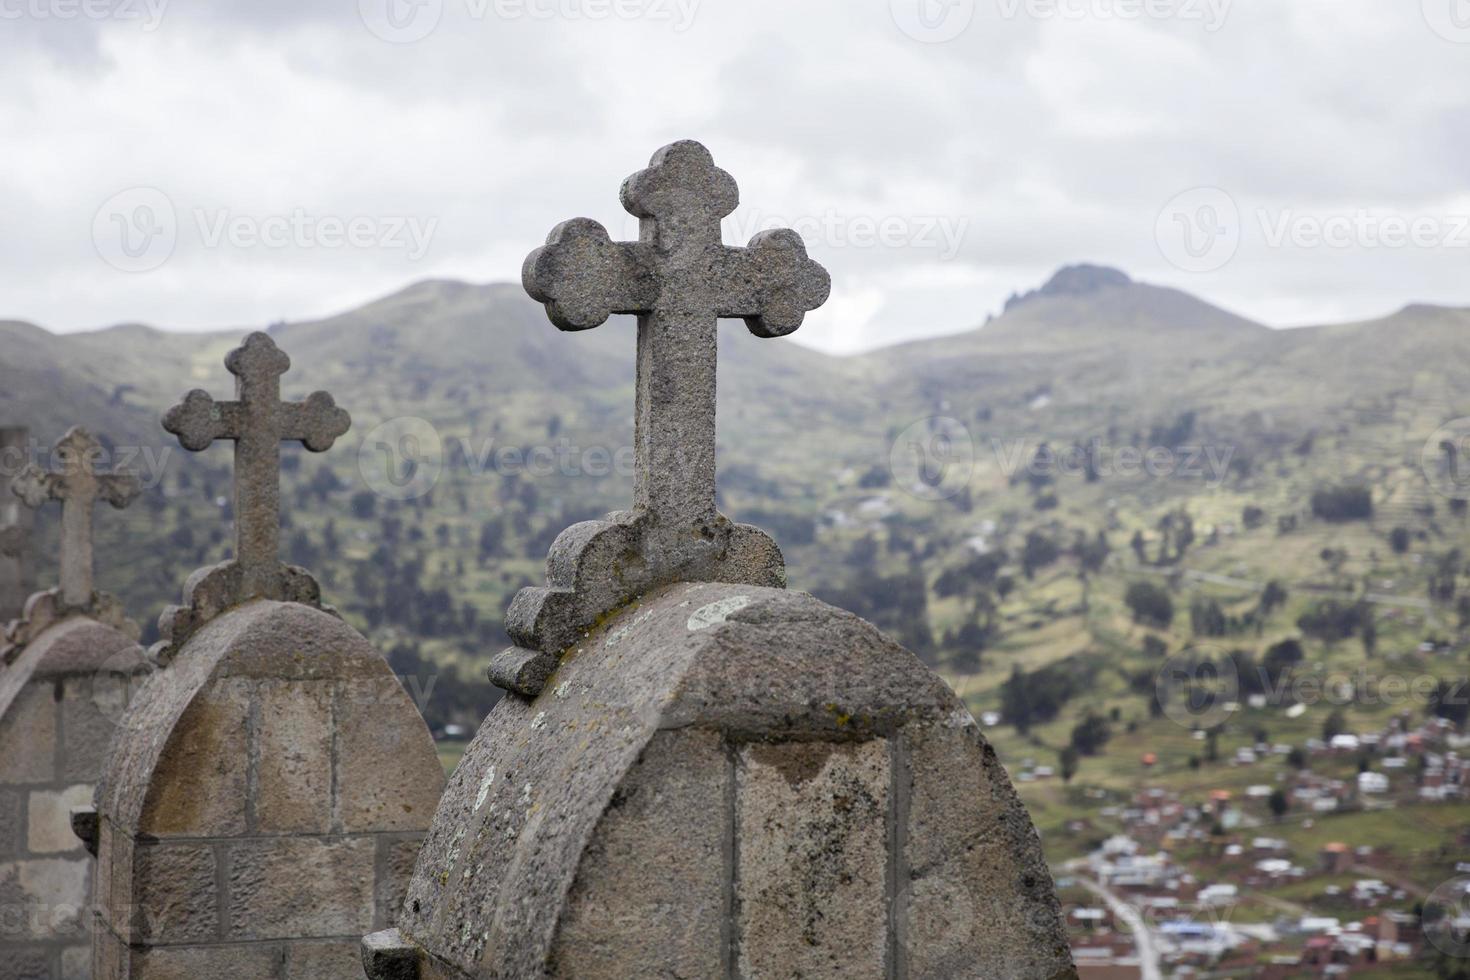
point(680, 279)
point(78, 486)
point(257, 422)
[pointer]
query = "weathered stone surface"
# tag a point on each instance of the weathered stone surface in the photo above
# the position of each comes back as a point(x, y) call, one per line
point(15, 526)
point(46, 899)
point(818, 713)
point(311, 961)
point(27, 732)
point(298, 887)
point(48, 821)
point(680, 279)
point(294, 786)
point(273, 721)
point(396, 857)
point(78, 487)
point(812, 830)
point(654, 874)
point(257, 421)
point(385, 780)
point(256, 962)
point(174, 892)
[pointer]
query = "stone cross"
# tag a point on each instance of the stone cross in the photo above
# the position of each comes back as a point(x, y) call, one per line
point(257, 421)
point(680, 279)
point(78, 486)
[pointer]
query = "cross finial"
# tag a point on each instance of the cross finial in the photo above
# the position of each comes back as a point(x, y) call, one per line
point(257, 421)
point(680, 279)
point(78, 486)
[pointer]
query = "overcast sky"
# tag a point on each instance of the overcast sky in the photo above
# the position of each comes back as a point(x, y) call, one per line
point(225, 163)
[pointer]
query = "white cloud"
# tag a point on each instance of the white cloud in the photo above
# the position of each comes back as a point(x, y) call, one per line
point(1034, 141)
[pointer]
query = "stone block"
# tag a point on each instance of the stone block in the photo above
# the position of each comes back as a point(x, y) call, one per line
point(90, 709)
point(25, 964)
point(12, 822)
point(48, 822)
point(245, 962)
point(654, 875)
point(295, 769)
point(42, 899)
point(76, 963)
point(812, 861)
point(396, 861)
point(175, 898)
point(28, 736)
point(301, 888)
point(388, 777)
point(340, 960)
point(200, 783)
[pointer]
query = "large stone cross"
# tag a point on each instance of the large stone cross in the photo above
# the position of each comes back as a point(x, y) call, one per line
point(257, 421)
point(78, 487)
point(680, 279)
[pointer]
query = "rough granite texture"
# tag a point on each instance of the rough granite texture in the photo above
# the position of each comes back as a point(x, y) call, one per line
point(257, 421)
point(59, 705)
point(15, 525)
point(730, 781)
point(680, 279)
point(262, 805)
point(78, 487)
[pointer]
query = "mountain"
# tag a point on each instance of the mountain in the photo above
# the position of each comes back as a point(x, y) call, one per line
point(821, 451)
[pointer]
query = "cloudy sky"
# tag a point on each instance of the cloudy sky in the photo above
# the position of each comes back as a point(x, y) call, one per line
point(226, 163)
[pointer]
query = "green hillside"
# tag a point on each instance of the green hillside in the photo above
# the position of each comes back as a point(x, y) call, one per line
point(1099, 434)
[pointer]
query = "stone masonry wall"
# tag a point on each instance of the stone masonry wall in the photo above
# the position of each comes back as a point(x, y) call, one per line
point(59, 705)
point(265, 808)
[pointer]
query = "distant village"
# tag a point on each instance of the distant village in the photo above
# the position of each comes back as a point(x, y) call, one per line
point(1197, 888)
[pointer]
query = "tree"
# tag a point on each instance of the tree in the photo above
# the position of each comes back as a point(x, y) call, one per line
point(1278, 803)
point(364, 505)
point(1349, 502)
point(1039, 552)
point(1252, 517)
point(1015, 702)
point(1297, 757)
point(1091, 734)
point(1207, 618)
point(1150, 604)
point(1273, 597)
point(1335, 725)
point(1399, 540)
point(1068, 759)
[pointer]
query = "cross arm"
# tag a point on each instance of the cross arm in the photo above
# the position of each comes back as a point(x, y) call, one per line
point(584, 277)
point(199, 420)
point(34, 486)
point(316, 422)
point(772, 284)
point(118, 489)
